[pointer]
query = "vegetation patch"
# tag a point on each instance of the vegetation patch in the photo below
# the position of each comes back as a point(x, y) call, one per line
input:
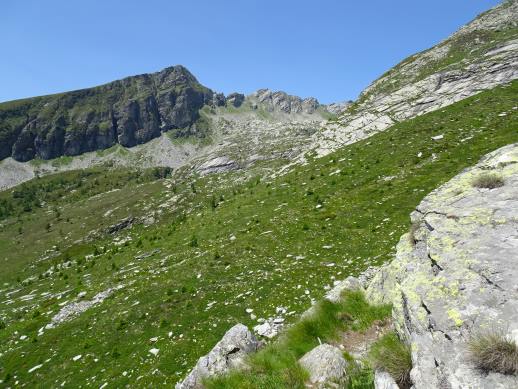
point(263, 243)
point(488, 180)
point(392, 355)
point(493, 351)
point(276, 366)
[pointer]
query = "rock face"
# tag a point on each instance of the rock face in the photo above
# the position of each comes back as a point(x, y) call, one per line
point(228, 353)
point(336, 108)
point(282, 102)
point(217, 165)
point(480, 56)
point(456, 275)
point(128, 112)
point(325, 364)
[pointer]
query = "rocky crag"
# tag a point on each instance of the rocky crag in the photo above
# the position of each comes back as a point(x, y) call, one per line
point(127, 112)
point(160, 119)
point(480, 56)
point(455, 274)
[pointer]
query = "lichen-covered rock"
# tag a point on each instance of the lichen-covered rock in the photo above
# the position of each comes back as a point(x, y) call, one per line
point(456, 276)
point(383, 380)
point(325, 364)
point(227, 353)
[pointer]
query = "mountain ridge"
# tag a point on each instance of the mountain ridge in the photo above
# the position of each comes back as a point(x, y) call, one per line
point(129, 111)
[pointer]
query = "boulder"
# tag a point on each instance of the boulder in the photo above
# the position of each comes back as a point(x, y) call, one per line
point(270, 328)
point(228, 353)
point(325, 364)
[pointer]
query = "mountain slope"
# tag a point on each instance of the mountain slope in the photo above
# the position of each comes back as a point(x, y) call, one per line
point(479, 56)
point(202, 252)
point(120, 276)
point(168, 119)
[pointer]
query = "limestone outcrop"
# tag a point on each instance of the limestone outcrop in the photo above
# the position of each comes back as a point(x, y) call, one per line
point(454, 275)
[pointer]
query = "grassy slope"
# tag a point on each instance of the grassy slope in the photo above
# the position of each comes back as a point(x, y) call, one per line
point(201, 281)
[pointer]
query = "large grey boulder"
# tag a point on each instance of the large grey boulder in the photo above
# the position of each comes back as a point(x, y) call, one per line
point(228, 353)
point(325, 365)
point(456, 276)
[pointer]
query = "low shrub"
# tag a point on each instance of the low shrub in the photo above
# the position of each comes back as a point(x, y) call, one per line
point(494, 352)
point(488, 180)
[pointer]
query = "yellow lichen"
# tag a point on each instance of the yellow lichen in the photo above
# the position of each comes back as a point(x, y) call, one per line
point(455, 316)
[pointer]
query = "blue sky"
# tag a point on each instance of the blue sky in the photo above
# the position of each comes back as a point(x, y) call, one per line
point(329, 49)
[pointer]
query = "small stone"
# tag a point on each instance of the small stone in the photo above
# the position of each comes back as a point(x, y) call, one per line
point(383, 380)
point(325, 364)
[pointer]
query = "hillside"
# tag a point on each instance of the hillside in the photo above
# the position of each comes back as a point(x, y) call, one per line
point(442, 314)
point(214, 247)
point(208, 132)
point(128, 112)
point(142, 219)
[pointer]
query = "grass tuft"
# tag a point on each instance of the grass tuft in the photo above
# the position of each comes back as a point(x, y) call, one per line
point(488, 180)
point(494, 352)
point(390, 354)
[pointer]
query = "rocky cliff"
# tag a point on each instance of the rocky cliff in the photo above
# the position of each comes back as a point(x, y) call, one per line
point(480, 56)
point(128, 112)
point(455, 274)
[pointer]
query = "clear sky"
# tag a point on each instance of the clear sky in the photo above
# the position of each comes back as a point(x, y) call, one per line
point(329, 49)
